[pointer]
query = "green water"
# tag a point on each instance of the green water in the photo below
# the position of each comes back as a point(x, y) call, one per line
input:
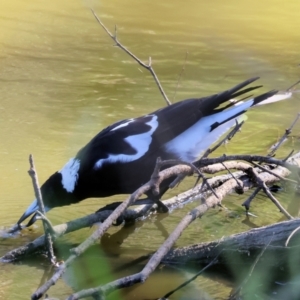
point(61, 81)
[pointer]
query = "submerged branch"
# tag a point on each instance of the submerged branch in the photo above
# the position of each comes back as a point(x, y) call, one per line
point(156, 259)
point(240, 180)
point(245, 243)
point(176, 202)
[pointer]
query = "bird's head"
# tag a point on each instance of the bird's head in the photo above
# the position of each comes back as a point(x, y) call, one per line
point(49, 200)
point(58, 190)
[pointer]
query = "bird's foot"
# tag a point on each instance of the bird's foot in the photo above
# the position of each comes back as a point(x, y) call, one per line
point(161, 208)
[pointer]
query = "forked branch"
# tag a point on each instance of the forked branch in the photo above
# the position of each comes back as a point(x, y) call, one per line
point(38, 195)
point(146, 66)
point(101, 291)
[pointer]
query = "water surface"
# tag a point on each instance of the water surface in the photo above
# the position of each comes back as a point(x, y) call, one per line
point(62, 80)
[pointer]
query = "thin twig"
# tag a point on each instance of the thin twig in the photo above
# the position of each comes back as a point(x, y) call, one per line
point(213, 262)
point(284, 136)
point(291, 235)
point(203, 162)
point(237, 291)
point(148, 67)
point(238, 183)
point(272, 173)
point(161, 252)
point(142, 210)
point(165, 174)
point(38, 195)
point(288, 156)
point(180, 75)
point(165, 247)
point(160, 163)
point(76, 252)
point(47, 221)
point(292, 86)
point(176, 181)
point(228, 137)
point(275, 201)
point(253, 173)
point(205, 182)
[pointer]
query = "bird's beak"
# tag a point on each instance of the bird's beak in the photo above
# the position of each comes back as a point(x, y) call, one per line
point(30, 210)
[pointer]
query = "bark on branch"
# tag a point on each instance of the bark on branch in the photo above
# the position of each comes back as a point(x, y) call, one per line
point(155, 260)
point(247, 244)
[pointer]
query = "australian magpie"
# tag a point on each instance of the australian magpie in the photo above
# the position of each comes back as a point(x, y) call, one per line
point(121, 158)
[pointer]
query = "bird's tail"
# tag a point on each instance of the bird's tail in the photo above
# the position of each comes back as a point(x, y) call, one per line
point(238, 109)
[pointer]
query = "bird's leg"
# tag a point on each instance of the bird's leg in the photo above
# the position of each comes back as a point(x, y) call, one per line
point(160, 206)
point(151, 197)
point(155, 197)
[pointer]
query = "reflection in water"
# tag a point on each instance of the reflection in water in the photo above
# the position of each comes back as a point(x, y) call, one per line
point(62, 81)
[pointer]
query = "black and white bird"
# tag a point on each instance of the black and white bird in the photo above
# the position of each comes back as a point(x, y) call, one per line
point(121, 158)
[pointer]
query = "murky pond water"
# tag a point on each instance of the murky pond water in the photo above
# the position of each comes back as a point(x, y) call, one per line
point(61, 81)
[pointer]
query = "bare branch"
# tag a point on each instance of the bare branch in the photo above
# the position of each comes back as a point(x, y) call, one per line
point(276, 202)
point(47, 221)
point(237, 290)
point(269, 171)
point(107, 223)
point(263, 185)
point(228, 137)
point(162, 251)
point(166, 173)
point(213, 262)
point(148, 67)
point(180, 75)
point(284, 137)
point(38, 195)
point(203, 162)
point(291, 235)
point(248, 243)
point(292, 86)
point(196, 193)
point(240, 188)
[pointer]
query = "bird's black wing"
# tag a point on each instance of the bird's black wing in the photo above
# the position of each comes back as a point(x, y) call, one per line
point(123, 141)
point(176, 118)
point(129, 140)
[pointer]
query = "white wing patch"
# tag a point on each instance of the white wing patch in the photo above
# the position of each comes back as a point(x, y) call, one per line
point(123, 125)
point(69, 174)
point(191, 143)
point(140, 142)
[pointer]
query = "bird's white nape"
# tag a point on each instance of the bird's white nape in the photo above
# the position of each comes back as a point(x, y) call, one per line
point(69, 174)
point(139, 142)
